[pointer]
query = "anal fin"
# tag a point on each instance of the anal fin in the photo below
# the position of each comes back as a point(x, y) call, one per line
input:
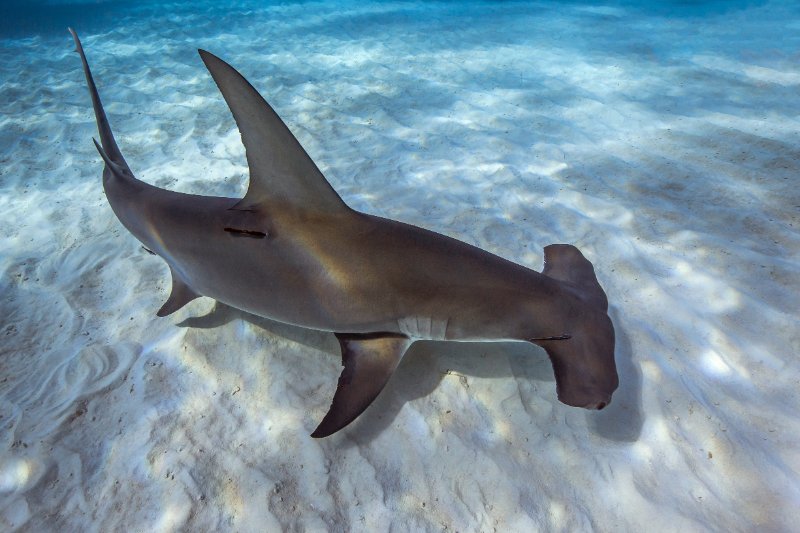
point(181, 295)
point(369, 361)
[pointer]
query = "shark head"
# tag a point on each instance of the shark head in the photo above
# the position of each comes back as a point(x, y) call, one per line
point(583, 356)
point(583, 362)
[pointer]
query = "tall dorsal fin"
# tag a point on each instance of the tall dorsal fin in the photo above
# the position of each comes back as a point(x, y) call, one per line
point(280, 169)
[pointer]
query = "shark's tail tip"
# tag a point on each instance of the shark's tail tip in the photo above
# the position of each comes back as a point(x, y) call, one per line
point(75, 38)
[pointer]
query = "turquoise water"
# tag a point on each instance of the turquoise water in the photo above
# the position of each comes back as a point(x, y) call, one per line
point(660, 138)
point(22, 18)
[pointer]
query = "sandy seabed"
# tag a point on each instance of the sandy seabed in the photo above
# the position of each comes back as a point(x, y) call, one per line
point(663, 141)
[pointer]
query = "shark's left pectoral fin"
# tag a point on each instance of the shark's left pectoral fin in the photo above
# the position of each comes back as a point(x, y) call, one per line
point(369, 361)
point(181, 295)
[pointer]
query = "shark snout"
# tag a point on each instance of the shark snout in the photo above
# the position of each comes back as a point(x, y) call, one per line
point(575, 397)
point(598, 406)
point(584, 366)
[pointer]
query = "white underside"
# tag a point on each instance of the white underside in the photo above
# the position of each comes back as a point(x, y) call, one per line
point(423, 328)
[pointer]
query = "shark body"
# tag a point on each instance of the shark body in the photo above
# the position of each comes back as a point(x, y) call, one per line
point(291, 250)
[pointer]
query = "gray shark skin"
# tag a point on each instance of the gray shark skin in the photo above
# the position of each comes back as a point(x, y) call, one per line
point(291, 250)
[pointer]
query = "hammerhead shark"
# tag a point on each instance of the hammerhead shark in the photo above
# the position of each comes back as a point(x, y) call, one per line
point(292, 251)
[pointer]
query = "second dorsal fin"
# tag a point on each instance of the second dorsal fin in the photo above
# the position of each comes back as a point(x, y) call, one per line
point(280, 169)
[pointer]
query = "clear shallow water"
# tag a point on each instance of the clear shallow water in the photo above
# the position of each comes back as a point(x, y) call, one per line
point(660, 139)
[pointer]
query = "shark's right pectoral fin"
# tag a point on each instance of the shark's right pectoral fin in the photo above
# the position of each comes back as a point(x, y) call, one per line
point(369, 361)
point(181, 295)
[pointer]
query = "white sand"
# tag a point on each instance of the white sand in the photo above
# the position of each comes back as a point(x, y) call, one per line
point(666, 148)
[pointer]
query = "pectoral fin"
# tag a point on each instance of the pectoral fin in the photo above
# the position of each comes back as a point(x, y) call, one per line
point(369, 361)
point(181, 295)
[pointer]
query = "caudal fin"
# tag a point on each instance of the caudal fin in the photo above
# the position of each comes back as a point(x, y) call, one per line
point(108, 149)
point(566, 263)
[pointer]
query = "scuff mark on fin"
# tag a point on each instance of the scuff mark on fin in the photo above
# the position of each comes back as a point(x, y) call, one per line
point(181, 295)
point(369, 361)
point(236, 232)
